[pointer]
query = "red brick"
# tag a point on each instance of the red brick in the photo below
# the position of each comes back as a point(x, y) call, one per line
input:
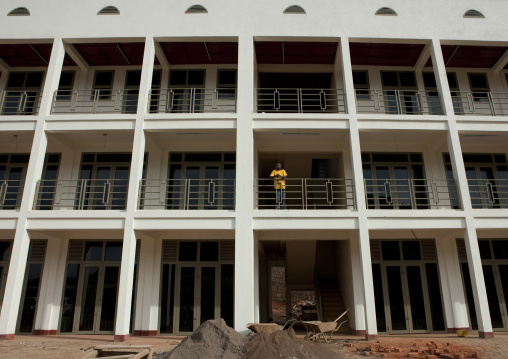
point(431, 357)
point(348, 345)
point(477, 355)
point(414, 355)
point(397, 350)
point(458, 356)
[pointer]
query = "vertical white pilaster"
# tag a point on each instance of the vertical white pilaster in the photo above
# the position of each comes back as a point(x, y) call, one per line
point(244, 192)
point(471, 240)
point(147, 254)
point(155, 290)
point(363, 230)
point(358, 298)
point(451, 284)
point(17, 265)
point(129, 240)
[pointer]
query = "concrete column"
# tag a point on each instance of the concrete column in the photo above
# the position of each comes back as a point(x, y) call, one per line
point(129, 240)
point(459, 172)
point(17, 265)
point(358, 308)
point(363, 231)
point(451, 284)
point(245, 290)
point(155, 290)
point(51, 278)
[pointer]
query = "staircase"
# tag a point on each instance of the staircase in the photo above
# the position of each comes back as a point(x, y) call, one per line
point(332, 304)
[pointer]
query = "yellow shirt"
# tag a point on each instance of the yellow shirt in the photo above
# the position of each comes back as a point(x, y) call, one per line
point(279, 183)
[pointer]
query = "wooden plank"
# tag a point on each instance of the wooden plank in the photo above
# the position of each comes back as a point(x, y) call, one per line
point(102, 347)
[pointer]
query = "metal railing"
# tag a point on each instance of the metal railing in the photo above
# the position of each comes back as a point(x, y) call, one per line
point(95, 101)
point(192, 100)
point(85, 194)
point(187, 194)
point(306, 193)
point(492, 193)
point(20, 102)
point(480, 103)
point(398, 102)
point(11, 192)
point(394, 193)
point(300, 100)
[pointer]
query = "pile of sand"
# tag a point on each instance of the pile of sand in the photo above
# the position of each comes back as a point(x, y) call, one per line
point(212, 340)
point(285, 344)
point(215, 340)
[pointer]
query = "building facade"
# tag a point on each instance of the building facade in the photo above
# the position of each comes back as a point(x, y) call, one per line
point(137, 140)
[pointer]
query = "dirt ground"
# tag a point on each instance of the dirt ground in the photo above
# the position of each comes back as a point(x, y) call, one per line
point(75, 346)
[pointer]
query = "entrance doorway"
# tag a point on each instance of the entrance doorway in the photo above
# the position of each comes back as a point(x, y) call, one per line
point(197, 285)
point(494, 254)
point(407, 298)
point(91, 287)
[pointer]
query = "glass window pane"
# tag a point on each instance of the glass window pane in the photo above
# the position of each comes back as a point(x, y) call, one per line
point(485, 249)
point(188, 251)
point(196, 77)
point(167, 298)
point(30, 300)
point(434, 289)
point(34, 79)
point(227, 293)
point(113, 251)
point(187, 282)
point(133, 78)
point(16, 79)
point(378, 297)
point(209, 251)
point(109, 293)
point(411, 250)
point(227, 77)
point(178, 77)
point(104, 78)
point(5, 251)
point(69, 300)
point(93, 251)
point(207, 294)
point(407, 79)
point(390, 79)
point(390, 250)
point(500, 249)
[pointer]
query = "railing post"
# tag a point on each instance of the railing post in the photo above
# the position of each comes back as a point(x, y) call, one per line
point(186, 194)
point(58, 193)
point(388, 191)
point(118, 100)
point(192, 99)
point(490, 192)
point(215, 99)
point(377, 102)
point(304, 194)
point(95, 100)
point(419, 100)
point(322, 100)
point(2, 99)
point(53, 102)
point(149, 101)
point(398, 102)
point(470, 102)
point(300, 100)
point(492, 105)
point(412, 195)
point(82, 194)
point(106, 189)
point(22, 102)
point(276, 100)
point(3, 192)
point(435, 193)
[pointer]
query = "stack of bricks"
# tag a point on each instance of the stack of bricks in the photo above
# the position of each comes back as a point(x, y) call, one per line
point(432, 350)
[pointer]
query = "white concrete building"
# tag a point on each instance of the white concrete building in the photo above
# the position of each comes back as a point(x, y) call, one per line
point(137, 138)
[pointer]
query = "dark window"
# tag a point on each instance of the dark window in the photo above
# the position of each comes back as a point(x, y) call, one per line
point(390, 79)
point(103, 79)
point(133, 78)
point(93, 251)
point(196, 77)
point(209, 251)
point(113, 251)
point(500, 249)
point(5, 251)
point(178, 77)
point(16, 79)
point(188, 251)
point(485, 249)
point(411, 250)
point(227, 77)
point(390, 250)
point(429, 80)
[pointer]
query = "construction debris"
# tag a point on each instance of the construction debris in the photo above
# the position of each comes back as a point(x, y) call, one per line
point(120, 352)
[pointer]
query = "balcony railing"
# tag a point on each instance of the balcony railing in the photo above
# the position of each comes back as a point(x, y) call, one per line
point(82, 194)
point(192, 100)
point(306, 193)
point(20, 102)
point(95, 101)
point(187, 194)
point(398, 102)
point(480, 103)
point(300, 100)
point(11, 192)
point(394, 193)
point(492, 193)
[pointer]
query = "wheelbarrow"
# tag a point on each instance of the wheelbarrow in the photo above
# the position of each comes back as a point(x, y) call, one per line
point(318, 331)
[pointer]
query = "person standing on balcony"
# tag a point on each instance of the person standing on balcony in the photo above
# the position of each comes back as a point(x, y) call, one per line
point(279, 176)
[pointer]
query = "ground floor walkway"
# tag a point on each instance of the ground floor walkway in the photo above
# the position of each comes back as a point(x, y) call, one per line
point(75, 346)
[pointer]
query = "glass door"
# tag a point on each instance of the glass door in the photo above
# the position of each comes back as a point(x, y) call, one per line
point(392, 184)
point(97, 299)
point(107, 186)
point(407, 298)
point(203, 186)
point(196, 296)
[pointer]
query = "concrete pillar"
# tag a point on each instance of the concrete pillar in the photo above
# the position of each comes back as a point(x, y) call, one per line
point(17, 265)
point(358, 308)
point(129, 241)
point(363, 231)
point(459, 172)
point(451, 284)
point(245, 290)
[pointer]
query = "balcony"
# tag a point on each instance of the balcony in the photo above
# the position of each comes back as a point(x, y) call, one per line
point(398, 102)
point(11, 192)
point(84, 194)
point(480, 103)
point(20, 103)
point(95, 101)
point(392, 193)
point(491, 193)
point(307, 194)
point(188, 194)
point(192, 100)
point(300, 100)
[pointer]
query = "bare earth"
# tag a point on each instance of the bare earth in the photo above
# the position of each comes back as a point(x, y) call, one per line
point(75, 346)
